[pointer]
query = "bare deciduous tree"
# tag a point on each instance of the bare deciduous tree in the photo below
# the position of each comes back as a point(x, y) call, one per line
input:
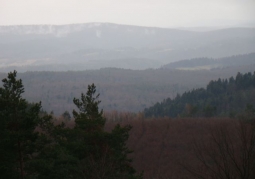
point(228, 154)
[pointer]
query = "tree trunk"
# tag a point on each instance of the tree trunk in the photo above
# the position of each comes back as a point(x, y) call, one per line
point(21, 162)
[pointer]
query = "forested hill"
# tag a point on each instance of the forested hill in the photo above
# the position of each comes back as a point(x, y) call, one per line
point(209, 63)
point(223, 97)
point(79, 47)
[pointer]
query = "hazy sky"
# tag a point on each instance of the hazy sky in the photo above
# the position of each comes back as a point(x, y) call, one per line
point(161, 13)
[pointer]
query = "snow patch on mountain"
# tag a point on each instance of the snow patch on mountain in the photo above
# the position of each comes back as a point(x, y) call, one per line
point(56, 30)
point(98, 33)
point(149, 32)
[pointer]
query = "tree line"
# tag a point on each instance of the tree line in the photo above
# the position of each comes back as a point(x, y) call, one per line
point(222, 97)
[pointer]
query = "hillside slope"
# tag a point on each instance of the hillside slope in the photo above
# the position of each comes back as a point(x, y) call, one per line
point(210, 63)
point(222, 97)
point(120, 89)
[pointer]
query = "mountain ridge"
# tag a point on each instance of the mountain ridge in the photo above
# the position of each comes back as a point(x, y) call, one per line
point(96, 45)
point(210, 63)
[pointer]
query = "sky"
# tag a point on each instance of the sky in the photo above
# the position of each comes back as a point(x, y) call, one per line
point(156, 13)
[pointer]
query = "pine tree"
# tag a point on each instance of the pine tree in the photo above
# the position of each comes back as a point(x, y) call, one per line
point(101, 154)
point(85, 151)
point(18, 120)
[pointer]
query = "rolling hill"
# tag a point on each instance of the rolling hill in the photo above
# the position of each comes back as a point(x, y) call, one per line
point(222, 97)
point(101, 45)
point(210, 63)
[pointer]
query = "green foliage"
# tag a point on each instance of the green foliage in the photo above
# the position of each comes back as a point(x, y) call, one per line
point(33, 147)
point(17, 128)
point(66, 115)
point(89, 117)
point(101, 154)
point(220, 98)
point(85, 151)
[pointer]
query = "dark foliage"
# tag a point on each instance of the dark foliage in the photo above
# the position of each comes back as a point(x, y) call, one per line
point(33, 146)
point(220, 98)
point(18, 121)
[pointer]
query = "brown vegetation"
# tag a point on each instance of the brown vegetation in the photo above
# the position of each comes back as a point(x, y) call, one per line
point(169, 148)
point(228, 153)
point(166, 148)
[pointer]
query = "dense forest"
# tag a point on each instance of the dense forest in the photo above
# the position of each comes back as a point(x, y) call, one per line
point(120, 89)
point(97, 145)
point(222, 97)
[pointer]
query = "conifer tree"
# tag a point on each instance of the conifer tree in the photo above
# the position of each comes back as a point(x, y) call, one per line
point(85, 151)
point(18, 121)
point(101, 154)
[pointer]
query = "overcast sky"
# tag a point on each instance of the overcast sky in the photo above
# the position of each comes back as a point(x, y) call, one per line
point(160, 13)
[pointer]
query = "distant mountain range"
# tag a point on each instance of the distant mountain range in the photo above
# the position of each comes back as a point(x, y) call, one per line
point(210, 63)
point(99, 45)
